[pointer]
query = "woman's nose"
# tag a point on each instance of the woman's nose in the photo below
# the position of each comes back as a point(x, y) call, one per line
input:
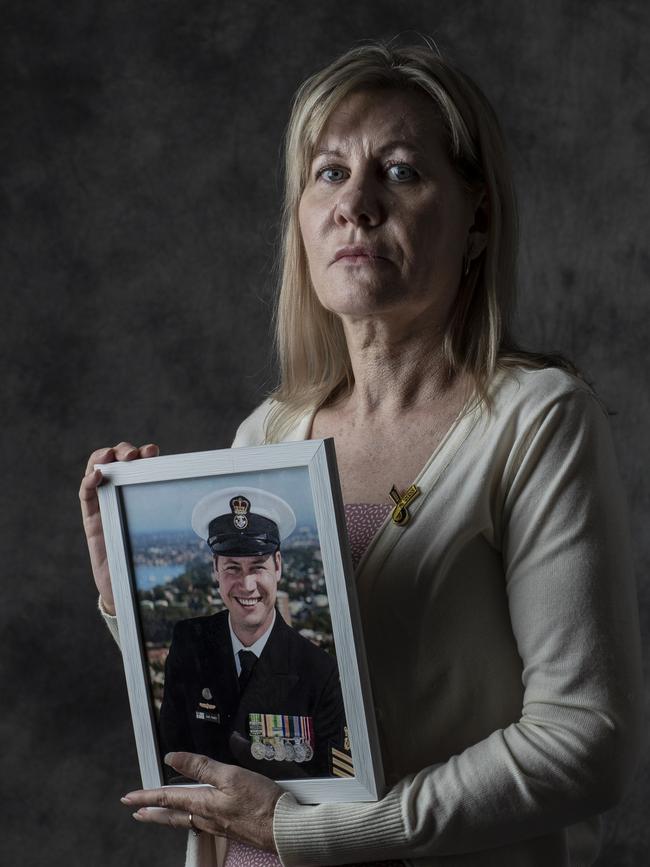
point(359, 203)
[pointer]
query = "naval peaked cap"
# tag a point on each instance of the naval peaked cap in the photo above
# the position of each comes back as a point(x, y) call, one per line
point(243, 522)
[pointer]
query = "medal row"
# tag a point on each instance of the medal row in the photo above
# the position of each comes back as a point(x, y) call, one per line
point(281, 737)
point(282, 751)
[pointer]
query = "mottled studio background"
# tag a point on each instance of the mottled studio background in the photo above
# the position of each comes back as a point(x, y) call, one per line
point(139, 152)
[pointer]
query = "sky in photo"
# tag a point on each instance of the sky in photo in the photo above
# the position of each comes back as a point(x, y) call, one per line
point(167, 506)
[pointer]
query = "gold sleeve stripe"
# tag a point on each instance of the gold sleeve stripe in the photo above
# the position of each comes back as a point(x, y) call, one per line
point(342, 764)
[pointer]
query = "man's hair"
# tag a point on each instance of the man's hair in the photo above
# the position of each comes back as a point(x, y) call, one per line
point(313, 358)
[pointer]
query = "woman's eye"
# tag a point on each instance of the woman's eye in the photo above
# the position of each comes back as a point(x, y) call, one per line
point(331, 174)
point(400, 172)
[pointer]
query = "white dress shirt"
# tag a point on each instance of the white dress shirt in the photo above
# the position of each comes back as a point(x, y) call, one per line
point(256, 648)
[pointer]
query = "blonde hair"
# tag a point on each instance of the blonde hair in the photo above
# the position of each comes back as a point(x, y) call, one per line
point(314, 363)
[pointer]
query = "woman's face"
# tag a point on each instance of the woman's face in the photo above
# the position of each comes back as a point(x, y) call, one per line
point(384, 217)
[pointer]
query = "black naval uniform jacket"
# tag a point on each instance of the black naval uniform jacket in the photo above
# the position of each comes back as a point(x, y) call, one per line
point(292, 676)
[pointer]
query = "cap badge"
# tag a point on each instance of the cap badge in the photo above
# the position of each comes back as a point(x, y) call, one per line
point(239, 507)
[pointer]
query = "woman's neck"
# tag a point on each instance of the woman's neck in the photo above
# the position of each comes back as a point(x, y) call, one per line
point(396, 368)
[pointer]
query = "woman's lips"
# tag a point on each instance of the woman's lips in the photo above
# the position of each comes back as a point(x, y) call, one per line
point(359, 257)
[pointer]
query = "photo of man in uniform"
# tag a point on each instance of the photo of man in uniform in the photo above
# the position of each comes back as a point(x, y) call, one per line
point(242, 686)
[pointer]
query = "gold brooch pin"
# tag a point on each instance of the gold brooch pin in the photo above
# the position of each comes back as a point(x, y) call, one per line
point(401, 514)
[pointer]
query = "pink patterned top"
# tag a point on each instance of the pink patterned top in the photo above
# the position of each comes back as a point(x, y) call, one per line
point(363, 520)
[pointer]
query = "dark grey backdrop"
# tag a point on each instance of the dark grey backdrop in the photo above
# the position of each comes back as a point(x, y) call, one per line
point(140, 159)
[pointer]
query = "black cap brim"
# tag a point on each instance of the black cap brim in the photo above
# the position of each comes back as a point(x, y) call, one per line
point(242, 545)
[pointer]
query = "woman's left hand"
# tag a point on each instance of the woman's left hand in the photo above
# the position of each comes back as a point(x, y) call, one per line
point(239, 803)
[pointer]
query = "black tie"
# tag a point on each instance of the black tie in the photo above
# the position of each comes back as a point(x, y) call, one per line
point(247, 660)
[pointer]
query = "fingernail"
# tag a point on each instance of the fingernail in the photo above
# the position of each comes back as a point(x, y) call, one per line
point(137, 816)
point(169, 758)
point(126, 800)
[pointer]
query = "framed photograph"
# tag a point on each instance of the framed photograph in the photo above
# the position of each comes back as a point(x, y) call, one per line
point(238, 618)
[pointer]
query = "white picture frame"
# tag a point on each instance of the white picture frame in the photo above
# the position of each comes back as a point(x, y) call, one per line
point(313, 465)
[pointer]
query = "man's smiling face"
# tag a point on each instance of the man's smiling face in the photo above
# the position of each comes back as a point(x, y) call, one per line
point(248, 587)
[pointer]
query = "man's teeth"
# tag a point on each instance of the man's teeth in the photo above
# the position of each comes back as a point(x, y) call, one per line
point(251, 600)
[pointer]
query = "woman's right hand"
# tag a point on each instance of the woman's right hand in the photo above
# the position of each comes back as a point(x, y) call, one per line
point(90, 511)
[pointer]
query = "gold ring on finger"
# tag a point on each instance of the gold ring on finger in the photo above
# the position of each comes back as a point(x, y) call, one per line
point(196, 831)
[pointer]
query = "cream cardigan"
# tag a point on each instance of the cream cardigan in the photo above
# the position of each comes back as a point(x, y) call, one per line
point(501, 631)
point(502, 636)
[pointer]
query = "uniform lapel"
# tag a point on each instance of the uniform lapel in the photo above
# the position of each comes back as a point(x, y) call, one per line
point(218, 665)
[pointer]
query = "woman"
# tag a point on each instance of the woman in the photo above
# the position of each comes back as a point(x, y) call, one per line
point(500, 621)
